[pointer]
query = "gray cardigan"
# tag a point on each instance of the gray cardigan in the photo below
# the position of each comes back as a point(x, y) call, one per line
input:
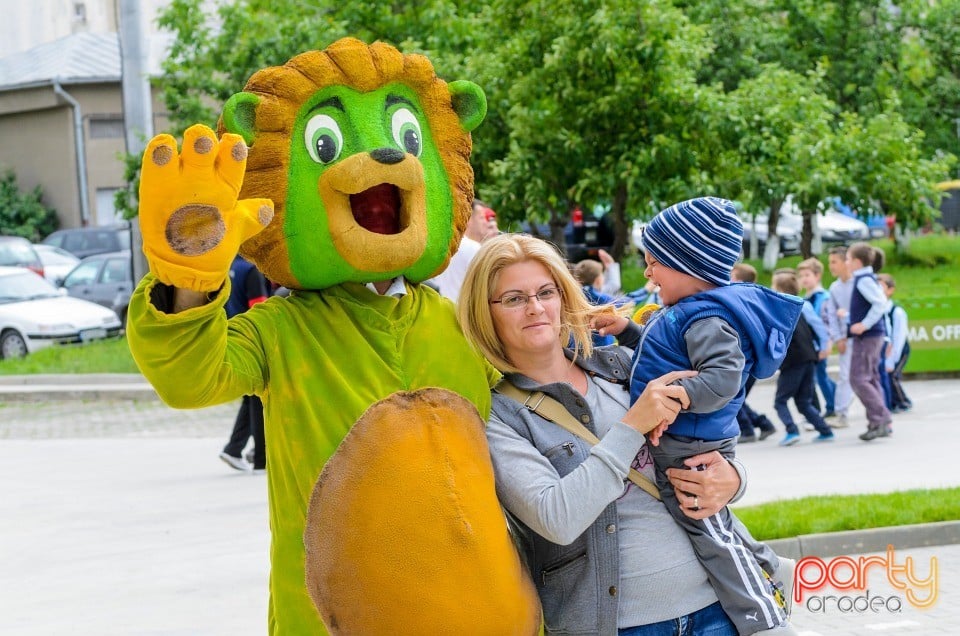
point(578, 574)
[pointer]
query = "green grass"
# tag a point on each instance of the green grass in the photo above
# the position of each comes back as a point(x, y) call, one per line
point(929, 267)
point(101, 356)
point(836, 513)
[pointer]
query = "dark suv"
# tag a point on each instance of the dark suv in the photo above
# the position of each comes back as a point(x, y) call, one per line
point(18, 252)
point(87, 241)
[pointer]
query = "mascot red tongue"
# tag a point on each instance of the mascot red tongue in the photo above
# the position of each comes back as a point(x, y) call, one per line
point(377, 209)
point(342, 167)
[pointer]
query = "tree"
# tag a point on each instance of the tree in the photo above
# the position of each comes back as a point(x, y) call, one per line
point(23, 213)
point(601, 107)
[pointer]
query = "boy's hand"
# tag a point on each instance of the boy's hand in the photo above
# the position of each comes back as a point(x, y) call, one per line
point(605, 258)
point(857, 328)
point(609, 324)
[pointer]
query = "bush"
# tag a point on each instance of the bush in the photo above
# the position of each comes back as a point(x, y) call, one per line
point(23, 213)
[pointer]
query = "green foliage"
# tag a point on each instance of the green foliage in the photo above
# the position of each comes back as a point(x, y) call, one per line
point(836, 513)
point(23, 213)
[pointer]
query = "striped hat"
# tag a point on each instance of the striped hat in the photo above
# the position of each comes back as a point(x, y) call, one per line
point(700, 237)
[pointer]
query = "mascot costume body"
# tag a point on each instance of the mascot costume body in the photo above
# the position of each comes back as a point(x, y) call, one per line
point(343, 174)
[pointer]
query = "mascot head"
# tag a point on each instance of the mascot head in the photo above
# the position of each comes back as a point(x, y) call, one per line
point(365, 154)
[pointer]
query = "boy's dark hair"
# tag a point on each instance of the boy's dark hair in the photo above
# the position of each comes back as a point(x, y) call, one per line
point(838, 250)
point(785, 282)
point(745, 272)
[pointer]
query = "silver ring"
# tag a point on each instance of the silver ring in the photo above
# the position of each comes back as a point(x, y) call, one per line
point(696, 502)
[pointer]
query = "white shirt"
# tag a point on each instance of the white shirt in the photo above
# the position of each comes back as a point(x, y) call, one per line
point(450, 280)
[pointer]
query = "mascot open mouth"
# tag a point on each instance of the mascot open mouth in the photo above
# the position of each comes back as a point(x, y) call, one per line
point(377, 209)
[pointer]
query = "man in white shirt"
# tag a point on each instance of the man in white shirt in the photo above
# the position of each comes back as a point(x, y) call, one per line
point(481, 226)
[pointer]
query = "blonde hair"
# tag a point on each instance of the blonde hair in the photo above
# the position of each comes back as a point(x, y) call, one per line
point(812, 264)
point(744, 272)
point(587, 271)
point(495, 255)
point(785, 282)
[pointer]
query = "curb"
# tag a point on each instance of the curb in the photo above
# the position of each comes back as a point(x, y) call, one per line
point(868, 540)
point(94, 386)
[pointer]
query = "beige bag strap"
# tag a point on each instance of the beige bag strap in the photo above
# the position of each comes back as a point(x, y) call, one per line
point(549, 409)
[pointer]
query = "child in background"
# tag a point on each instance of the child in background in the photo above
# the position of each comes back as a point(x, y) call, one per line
point(810, 275)
point(598, 289)
point(838, 309)
point(749, 420)
point(868, 304)
point(726, 332)
point(797, 372)
point(897, 350)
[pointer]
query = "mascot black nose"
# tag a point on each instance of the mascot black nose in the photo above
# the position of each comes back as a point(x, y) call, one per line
point(387, 155)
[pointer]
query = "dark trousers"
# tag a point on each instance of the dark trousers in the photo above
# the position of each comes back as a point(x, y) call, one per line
point(747, 418)
point(249, 422)
point(892, 383)
point(797, 382)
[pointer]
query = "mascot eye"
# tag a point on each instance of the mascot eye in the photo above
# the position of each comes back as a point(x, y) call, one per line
point(323, 138)
point(406, 131)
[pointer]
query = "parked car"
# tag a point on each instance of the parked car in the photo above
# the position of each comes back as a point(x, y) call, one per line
point(18, 252)
point(34, 315)
point(789, 237)
point(57, 263)
point(105, 279)
point(834, 227)
point(586, 235)
point(87, 241)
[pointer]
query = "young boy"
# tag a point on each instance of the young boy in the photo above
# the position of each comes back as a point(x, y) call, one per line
point(838, 308)
point(810, 275)
point(749, 420)
point(796, 379)
point(866, 336)
point(897, 351)
point(727, 333)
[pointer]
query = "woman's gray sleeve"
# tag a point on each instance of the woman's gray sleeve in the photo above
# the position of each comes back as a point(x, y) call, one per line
point(559, 509)
point(742, 472)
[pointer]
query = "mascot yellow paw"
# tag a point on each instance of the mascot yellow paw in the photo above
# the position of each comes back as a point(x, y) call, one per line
point(190, 218)
point(445, 563)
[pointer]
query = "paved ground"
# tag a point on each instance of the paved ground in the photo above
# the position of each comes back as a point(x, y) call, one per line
point(120, 520)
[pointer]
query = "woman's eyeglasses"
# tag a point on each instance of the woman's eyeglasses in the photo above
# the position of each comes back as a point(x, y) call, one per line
point(516, 300)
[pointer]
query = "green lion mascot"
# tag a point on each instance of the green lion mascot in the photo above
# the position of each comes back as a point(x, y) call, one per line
point(343, 175)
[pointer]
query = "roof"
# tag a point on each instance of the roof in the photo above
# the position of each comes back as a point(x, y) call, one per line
point(75, 59)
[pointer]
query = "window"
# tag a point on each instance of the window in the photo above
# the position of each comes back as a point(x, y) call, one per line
point(116, 271)
point(84, 274)
point(106, 126)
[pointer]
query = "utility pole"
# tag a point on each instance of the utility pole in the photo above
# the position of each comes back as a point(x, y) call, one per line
point(137, 105)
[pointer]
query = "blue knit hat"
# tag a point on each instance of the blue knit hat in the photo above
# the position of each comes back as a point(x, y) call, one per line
point(701, 237)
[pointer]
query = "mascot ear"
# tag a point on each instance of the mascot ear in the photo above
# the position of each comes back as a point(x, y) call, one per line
point(240, 116)
point(469, 103)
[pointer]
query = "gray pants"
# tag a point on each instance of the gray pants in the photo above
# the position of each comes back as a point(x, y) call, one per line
point(865, 378)
point(736, 563)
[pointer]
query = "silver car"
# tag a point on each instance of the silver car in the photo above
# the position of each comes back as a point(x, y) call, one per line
point(105, 279)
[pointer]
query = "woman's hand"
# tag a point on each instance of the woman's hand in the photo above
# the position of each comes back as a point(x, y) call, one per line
point(659, 403)
point(706, 486)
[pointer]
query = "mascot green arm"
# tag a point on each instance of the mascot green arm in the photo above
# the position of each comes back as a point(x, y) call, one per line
point(364, 154)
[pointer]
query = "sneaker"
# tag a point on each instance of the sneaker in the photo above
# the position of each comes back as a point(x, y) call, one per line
point(829, 414)
point(767, 433)
point(841, 421)
point(746, 439)
point(235, 462)
point(872, 434)
point(825, 437)
point(785, 575)
point(886, 431)
point(790, 439)
point(807, 426)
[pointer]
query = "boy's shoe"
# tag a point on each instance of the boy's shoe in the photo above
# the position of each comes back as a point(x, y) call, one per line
point(235, 462)
point(841, 421)
point(825, 437)
point(790, 439)
point(746, 439)
point(764, 434)
point(807, 426)
point(829, 414)
point(872, 434)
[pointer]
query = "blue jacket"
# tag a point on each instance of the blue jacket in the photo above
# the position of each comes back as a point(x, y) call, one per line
point(764, 321)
